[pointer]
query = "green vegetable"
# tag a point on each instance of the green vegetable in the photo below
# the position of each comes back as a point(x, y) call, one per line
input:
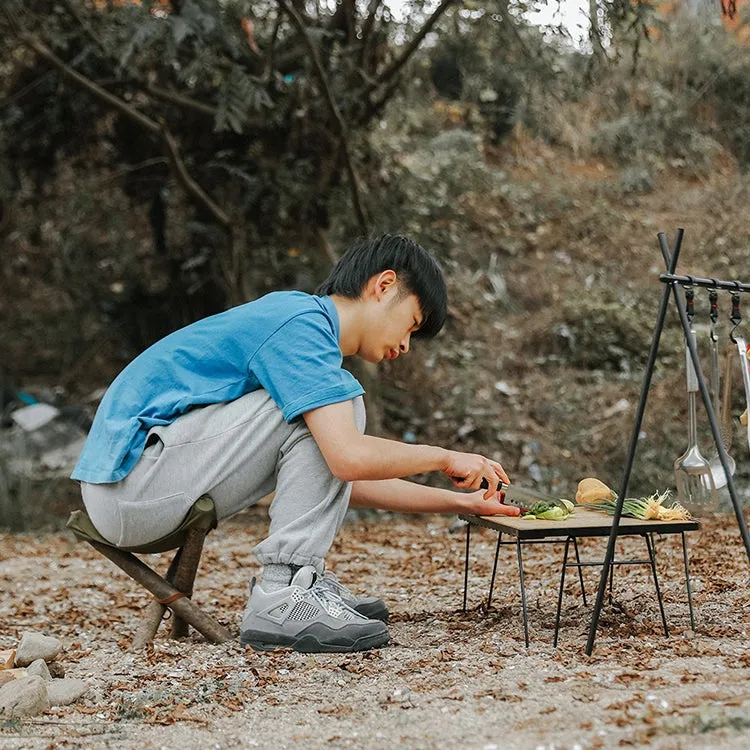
point(553, 514)
point(554, 511)
point(646, 508)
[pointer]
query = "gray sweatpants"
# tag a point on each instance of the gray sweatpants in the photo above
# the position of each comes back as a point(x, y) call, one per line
point(237, 452)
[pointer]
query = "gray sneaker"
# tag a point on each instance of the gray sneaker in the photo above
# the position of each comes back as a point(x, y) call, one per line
point(307, 616)
point(368, 606)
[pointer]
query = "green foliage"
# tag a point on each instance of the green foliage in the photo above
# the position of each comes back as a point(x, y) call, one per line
point(239, 96)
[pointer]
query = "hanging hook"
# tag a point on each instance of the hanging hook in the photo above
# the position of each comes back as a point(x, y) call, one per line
point(713, 299)
point(736, 315)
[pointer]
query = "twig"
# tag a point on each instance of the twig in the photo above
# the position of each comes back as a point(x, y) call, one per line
point(43, 51)
point(268, 75)
point(338, 119)
point(181, 100)
point(367, 28)
point(145, 164)
point(403, 58)
point(190, 184)
point(373, 107)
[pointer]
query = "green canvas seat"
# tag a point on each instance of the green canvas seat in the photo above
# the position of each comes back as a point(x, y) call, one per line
point(172, 591)
point(201, 516)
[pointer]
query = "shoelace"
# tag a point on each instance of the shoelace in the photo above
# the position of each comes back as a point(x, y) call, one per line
point(331, 581)
point(328, 599)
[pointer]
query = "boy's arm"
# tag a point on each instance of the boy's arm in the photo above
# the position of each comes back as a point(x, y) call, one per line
point(352, 456)
point(407, 497)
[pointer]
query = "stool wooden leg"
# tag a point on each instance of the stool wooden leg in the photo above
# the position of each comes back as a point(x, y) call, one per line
point(154, 613)
point(182, 607)
point(184, 578)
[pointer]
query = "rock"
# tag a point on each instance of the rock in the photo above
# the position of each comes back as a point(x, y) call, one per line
point(40, 669)
point(35, 646)
point(56, 669)
point(24, 697)
point(12, 674)
point(8, 659)
point(63, 692)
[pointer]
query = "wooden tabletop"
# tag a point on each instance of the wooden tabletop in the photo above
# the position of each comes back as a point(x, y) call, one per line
point(582, 522)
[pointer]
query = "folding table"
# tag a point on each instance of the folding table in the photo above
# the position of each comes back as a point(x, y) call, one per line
point(582, 523)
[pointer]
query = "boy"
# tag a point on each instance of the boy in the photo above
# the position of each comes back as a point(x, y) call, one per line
point(255, 399)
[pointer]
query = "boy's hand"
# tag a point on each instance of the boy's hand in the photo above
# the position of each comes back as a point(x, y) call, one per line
point(476, 504)
point(466, 470)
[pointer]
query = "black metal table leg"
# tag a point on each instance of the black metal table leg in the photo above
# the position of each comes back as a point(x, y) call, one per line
point(560, 590)
point(466, 564)
point(494, 569)
point(656, 584)
point(523, 594)
point(611, 576)
point(687, 580)
point(580, 570)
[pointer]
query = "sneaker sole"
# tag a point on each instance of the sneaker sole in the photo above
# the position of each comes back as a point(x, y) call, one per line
point(312, 642)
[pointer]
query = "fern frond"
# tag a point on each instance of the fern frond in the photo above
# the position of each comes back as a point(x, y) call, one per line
point(239, 96)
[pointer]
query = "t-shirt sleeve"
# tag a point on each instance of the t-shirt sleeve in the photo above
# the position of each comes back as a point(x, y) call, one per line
point(300, 366)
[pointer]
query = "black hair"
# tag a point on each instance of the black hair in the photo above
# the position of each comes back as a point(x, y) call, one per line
point(415, 268)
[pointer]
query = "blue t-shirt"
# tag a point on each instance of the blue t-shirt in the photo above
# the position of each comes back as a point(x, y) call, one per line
point(285, 342)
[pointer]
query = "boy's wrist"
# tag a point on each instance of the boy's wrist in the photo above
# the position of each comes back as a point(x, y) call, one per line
point(441, 458)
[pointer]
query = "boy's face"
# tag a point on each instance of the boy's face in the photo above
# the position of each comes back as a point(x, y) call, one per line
point(394, 317)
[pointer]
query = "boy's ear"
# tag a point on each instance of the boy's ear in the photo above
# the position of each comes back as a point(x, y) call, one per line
point(382, 283)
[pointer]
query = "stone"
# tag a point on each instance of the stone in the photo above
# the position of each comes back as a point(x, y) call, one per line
point(40, 669)
point(24, 697)
point(7, 675)
point(35, 646)
point(65, 691)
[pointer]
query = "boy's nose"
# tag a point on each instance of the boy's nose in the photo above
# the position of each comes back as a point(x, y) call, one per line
point(404, 346)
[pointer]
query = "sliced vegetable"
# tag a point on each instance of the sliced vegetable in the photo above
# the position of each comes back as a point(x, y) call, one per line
point(556, 510)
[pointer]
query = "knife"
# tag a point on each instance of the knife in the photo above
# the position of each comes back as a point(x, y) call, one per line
point(521, 497)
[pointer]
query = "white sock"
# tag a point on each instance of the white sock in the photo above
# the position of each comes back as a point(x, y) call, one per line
point(276, 577)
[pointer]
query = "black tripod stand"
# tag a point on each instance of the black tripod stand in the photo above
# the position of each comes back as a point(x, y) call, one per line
point(673, 285)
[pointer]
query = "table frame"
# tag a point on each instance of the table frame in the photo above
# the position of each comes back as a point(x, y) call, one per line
point(583, 523)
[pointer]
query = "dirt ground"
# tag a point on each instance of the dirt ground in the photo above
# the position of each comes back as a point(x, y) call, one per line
point(447, 678)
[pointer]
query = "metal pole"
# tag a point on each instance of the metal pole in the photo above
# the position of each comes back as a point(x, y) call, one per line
point(560, 591)
point(609, 555)
point(466, 564)
point(715, 430)
point(494, 568)
point(580, 571)
point(687, 581)
point(652, 560)
point(730, 286)
point(523, 593)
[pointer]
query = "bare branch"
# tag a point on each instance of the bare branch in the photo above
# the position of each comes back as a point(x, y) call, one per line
point(268, 75)
point(376, 106)
point(43, 51)
point(411, 48)
point(333, 109)
point(192, 187)
point(181, 100)
point(367, 29)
